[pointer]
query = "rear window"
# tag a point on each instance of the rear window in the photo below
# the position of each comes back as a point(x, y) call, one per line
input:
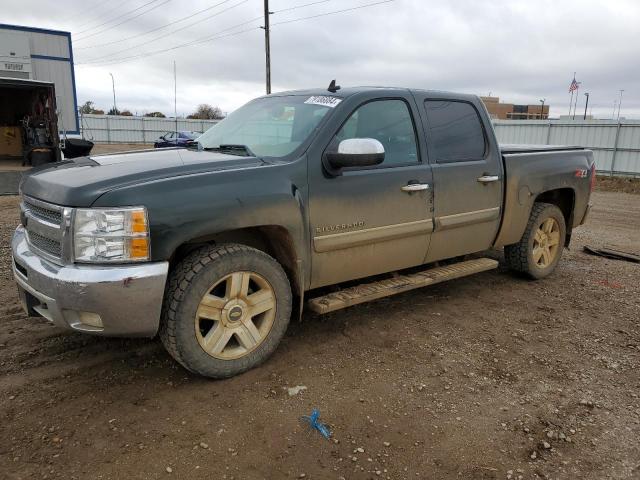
point(456, 131)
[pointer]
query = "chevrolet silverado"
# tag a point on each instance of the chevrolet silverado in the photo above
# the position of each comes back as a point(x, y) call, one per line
point(319, 199)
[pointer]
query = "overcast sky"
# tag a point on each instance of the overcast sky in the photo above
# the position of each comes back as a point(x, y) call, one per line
point(521, 51)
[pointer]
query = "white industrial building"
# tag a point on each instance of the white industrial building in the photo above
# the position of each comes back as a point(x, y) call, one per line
point(44, 55)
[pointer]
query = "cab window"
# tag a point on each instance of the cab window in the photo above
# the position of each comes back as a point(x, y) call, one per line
point(389, 122)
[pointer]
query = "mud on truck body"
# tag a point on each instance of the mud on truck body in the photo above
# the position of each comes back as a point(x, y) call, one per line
point(292, 201)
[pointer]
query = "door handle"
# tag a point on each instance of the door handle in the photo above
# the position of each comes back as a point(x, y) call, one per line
point(488, 178)
point(415, 187)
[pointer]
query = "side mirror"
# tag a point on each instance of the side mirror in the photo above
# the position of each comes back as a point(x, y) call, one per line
point(357, 152)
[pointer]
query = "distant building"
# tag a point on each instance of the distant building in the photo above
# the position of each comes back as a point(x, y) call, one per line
point(509, 111)
point(44, 55)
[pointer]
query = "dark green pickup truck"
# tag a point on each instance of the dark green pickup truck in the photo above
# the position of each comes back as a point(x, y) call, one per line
point(215, 248)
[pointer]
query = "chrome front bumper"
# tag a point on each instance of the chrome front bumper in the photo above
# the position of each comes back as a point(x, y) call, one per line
point(123, 300)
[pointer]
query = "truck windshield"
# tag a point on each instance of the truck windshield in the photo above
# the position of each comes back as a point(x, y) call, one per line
point(269, 127)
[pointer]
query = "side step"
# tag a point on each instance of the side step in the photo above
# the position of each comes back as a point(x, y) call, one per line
point(398, 284)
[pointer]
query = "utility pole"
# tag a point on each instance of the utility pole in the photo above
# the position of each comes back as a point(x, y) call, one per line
point(175, 98)
point(586, 105)
point(267, 47)
point(620, 104)
point(113, 85)
point(542, 108)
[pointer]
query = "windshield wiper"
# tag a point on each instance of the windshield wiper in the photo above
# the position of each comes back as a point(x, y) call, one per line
point(232, 149)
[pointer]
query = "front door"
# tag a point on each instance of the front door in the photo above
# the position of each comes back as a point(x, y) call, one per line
point(377, 219)
point(467, 177)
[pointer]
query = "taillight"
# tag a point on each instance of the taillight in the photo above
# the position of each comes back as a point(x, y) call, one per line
point(592, 182)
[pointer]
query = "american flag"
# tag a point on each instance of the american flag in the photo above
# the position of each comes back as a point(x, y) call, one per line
point(574, 86)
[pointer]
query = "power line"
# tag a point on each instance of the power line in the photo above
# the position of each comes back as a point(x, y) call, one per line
point(200, 40)
point(218, 35)
point(331, 13)
point(92, 9)
point(186, 26)
point(156, 29)
point(117, 17)
point(301, 6)
point(112, 54)
point(156, 52)
point(93, 34)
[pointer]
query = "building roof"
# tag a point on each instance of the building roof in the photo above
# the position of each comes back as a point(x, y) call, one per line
point(23, 28)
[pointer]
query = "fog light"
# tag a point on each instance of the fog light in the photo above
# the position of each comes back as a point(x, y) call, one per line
point(90, 319)
point(79, 319)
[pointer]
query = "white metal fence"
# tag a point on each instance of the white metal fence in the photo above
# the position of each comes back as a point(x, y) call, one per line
point(119, 129)
point(615, 145)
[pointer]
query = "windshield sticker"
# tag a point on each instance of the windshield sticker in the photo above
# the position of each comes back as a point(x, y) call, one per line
point(323, 100)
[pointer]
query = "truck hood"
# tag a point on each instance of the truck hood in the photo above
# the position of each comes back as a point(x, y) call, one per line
point(79, 182)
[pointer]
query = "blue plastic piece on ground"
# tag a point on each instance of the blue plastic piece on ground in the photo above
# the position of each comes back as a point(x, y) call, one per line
point(316, 425)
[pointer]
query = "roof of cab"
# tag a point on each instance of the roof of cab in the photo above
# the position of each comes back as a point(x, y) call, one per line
point(342, 92)
point(348, 91)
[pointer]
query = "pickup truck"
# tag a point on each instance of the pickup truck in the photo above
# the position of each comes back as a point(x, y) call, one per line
point(318, 198)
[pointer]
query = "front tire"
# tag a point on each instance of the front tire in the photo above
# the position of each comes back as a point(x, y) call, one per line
point(539, 250)
point(226, 309)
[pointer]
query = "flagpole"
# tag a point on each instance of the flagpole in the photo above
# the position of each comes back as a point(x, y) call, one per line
point(571, 103)
point(570, 88)
point(576, 104)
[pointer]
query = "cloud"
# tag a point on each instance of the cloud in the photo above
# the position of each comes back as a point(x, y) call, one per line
point(521, 51)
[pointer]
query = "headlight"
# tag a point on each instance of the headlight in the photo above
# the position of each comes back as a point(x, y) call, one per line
point(111, 235)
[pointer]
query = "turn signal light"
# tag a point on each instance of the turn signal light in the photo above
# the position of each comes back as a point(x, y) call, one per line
point(139, 248)
point(138, 221)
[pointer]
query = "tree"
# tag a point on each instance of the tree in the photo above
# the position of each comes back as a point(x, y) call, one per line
point(155, 115)
point(207, 112)
point(88, 107)
point(124, 113)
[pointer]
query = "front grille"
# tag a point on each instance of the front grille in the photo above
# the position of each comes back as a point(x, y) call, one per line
point(48, 245)
point(43, 213)
point(44, 225)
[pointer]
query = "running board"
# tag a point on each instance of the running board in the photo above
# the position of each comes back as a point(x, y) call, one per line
point(383, 288)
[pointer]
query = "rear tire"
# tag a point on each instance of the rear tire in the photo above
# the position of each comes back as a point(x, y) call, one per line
point(225, 311)
point(539, 250)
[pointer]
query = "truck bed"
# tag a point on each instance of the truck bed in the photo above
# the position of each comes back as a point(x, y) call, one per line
point(516, 148)
point(562, 169)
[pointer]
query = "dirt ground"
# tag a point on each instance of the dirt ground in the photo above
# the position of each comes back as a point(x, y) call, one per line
point(487, 377)
point(618, 184)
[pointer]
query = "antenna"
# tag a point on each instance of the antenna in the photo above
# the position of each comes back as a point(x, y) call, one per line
point(333, 88)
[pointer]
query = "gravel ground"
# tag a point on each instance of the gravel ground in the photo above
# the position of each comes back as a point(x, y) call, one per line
point(487, 377)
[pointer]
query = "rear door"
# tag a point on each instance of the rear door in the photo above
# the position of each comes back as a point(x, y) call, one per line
point(467, 175)
point(366, 221)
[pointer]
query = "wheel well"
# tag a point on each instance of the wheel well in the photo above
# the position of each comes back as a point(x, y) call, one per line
point(564, 199)
point(271, 239)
